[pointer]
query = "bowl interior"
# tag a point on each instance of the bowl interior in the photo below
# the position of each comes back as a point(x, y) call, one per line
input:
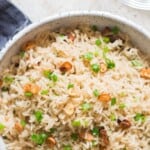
point(139, 37)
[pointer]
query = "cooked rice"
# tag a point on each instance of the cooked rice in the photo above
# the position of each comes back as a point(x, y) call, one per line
point(123, 82)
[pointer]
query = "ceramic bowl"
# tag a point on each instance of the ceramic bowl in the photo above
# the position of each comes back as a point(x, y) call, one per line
point(139, 37)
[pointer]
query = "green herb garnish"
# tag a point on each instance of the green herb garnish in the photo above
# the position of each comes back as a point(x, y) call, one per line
point(85, 123)
point(70, 85)
point(51, 76)
point(52, 130)
point(38, 115)
point(139, 117)
point(22, 53)
point(113, 101)
point(98, 42)
point(95, 67)
point(44, 92)
point(86, 106)
point(54, 77)
point(106, 39)
point(5, 89)
point(115, 30)
point(23, 123)
point(122, 106)
point(110, 63)
point(112, 117)
point(136, 63)
point(2, 127)
point(67, 147)
point(96, 53)
point(28, 94)
point(95, 131)
point(94, 143)
point(88, 56)
point(8, 79)
point(76, 123)
point(39, 138)
point(96, 93)
point(74, 136)
point(94, 28)
point(47, 74)
point(105, 50)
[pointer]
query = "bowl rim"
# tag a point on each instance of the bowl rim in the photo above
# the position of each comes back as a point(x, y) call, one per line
point(62, 15)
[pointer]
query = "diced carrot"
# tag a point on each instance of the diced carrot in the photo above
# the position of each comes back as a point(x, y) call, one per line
point(145, 73)
point(66, 66)
point(29, 45)
point(104, 97)
point(18, 127)
point(33, 88)
point(51, 141)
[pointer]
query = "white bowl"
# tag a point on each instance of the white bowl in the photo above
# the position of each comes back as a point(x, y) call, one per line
point(139, 37)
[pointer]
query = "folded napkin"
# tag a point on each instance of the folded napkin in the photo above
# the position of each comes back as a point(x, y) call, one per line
point(12, 20)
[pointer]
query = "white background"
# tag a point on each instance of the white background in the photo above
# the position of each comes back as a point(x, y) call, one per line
point(39, 9)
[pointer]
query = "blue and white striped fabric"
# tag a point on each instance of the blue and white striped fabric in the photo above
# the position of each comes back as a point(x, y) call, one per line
point(11, 21)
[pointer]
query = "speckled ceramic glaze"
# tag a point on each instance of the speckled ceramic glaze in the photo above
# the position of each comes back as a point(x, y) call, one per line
point(140, 38)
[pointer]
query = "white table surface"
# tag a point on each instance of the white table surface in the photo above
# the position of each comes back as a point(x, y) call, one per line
point(39, 9)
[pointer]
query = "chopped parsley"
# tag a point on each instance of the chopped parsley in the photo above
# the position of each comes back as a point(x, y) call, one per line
point(5, 89)
point(67, 147)
point(113, 101)
point(23, 123)
point(74, 136)
point(95, 131)
point(8, 79)
point(95, 67)
point(110, 63)
point(38, 115)
point(76, 123)
point(51, 76)
point(122, 106)
point(47, 74)
point(98, 42)
point(86, 106)
point(96, 93)
point(22, 53)
point(39, 138)
point(28, 94)
point(44, 92)
point(136, 63)
point(112, 117)
point(139, 117)
point(94, 143)
point(115, 30)
point(2, 127)
point(52, 130)
point(88, 56)
point(70, 85)
point(54, 77)
point(94, 28)
point(105, 50)
point(106, 39)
